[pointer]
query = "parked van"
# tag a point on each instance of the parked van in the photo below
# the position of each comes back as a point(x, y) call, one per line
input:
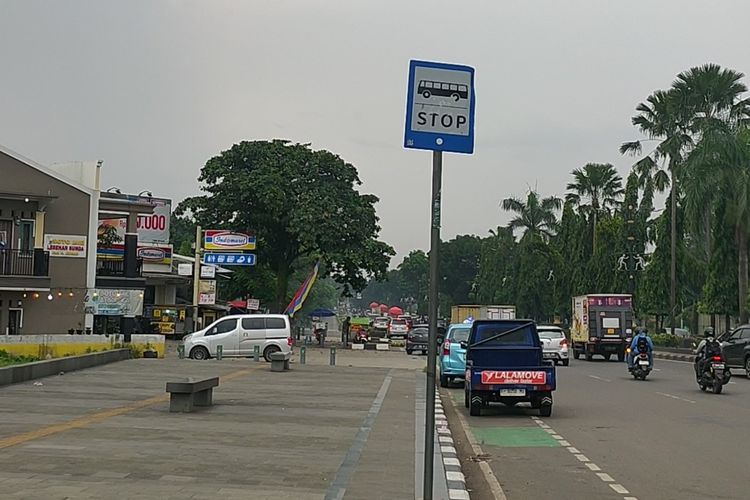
point(239, 334)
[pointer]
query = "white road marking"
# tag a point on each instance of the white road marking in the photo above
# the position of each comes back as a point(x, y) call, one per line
point(675, 397)
point(619, 488)
point(600, 378)
point(564, 443)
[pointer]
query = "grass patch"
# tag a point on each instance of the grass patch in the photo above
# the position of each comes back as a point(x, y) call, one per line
point(7, 359)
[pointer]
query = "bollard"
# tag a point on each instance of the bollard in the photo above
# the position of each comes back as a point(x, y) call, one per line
point(302, 354)
point(333, 356)
point(181, 351)
point(256, 353)
point(219, 352)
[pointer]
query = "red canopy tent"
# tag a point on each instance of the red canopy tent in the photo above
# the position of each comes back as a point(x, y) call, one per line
point(383, 308)
point(374, 305)
point(395, 311)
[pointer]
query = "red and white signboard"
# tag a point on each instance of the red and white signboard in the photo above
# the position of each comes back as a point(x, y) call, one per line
point(514, 377)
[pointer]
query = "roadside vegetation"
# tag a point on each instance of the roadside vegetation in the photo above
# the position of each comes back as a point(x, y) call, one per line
point(7, 359)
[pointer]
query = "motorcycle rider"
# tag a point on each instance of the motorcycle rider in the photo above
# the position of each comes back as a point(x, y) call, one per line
point(708, 346)
point(641, 337)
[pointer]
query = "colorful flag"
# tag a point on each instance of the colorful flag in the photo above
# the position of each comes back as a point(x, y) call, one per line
point(299, 298)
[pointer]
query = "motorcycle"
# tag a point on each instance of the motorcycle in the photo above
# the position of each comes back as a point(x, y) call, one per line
point(714, 375)
point(641, 365)
point(360, 336)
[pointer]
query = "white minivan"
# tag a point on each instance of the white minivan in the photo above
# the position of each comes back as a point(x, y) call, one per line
point(239, 334)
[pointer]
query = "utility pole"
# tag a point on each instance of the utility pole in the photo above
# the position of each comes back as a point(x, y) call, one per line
point(196, 275)
point(429, 426)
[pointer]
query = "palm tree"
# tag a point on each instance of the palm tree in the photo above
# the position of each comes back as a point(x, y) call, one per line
point(535, 216)
point(719, 167)
point(675, 118)
point(661, 119)
point(600, 186)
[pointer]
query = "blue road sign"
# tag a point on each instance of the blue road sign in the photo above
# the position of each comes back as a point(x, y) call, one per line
point(440, 107)
point(229, 259)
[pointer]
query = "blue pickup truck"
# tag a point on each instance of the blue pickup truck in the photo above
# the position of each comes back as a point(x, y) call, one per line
point(504, 364)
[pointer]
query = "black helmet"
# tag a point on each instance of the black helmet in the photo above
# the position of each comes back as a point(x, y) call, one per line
point(708, 332)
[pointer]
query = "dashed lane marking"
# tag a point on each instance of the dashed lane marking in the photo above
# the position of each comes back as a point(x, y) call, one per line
point(672, 396)
point(600, 378)
point(606, 478)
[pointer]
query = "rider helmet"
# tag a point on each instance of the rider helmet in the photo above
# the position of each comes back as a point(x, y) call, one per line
point(708, 332)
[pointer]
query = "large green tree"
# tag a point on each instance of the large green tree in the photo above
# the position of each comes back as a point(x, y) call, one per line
point(459, 266)
point(301, 203)
point(496, 276)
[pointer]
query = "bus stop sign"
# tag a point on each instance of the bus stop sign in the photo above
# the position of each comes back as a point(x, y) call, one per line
point(440, 107)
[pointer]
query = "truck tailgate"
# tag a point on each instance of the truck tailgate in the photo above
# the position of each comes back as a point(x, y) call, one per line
point(541, 378)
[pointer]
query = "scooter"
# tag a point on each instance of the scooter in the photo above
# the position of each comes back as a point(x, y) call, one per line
point(641, 365)
point(715, 374)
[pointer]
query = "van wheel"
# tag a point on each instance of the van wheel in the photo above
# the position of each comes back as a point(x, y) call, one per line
point(270, 350)
point(199, 353)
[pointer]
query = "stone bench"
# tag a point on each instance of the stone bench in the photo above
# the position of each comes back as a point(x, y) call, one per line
point(280, 361)
point(191, 392)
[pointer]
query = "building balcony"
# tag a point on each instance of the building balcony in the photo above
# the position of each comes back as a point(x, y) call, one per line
point(24, 269)
point(113, 273)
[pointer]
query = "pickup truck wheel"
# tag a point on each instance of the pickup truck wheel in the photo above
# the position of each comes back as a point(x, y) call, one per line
point(444, 380)
point(545, 411)
point(607, 357)
point(565, 362)
point(589, 356)
point(409, 351)
point(475, 410)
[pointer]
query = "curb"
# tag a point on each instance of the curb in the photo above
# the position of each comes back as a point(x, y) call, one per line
point(673, 356)
point(454, 477)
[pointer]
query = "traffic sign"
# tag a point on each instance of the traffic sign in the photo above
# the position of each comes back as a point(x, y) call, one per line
point(229, 259)
point(440, 107)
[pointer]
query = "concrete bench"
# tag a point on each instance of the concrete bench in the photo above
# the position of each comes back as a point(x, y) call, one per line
point(191, 392)
point(280, 361)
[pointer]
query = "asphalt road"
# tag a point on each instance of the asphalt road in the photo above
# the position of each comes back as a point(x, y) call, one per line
point(611, 437)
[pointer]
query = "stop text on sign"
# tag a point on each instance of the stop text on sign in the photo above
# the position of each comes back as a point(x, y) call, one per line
point(514, 377)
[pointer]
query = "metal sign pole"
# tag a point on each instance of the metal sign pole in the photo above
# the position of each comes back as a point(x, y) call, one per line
point(429, 425)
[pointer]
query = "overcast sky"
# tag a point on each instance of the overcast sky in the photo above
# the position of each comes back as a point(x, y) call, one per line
point(156, 87)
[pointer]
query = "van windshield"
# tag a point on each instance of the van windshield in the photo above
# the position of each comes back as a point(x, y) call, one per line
point(522, 336)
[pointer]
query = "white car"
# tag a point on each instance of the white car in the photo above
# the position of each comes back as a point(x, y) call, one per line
point(554, 344)
point(398, 328)
point(381, 323)
point(238, 335)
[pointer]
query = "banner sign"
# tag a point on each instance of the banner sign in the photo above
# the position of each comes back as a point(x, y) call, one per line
point(207, 293)
point(228, 241)
point(111, 302)
point(65, 245)
point(151, 228)
point(156, 258)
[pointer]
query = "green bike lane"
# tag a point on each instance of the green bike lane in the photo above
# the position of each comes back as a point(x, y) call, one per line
point(658, 439)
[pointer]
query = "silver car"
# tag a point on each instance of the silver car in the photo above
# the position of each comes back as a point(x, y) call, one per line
point(554, 344)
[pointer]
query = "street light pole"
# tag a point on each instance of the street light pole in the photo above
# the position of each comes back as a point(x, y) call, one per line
point(429, 425)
